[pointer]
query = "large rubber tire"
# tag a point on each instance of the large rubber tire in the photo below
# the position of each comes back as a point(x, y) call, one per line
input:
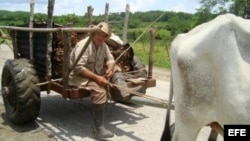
point(20, 94)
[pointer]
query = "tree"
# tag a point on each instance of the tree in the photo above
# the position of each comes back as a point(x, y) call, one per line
point(215, 6)
point(241, 8)
point(237, 7)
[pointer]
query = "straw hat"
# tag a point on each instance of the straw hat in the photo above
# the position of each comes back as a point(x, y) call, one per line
point(104, 27)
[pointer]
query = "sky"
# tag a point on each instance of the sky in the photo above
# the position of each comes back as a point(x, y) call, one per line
point(79, 7)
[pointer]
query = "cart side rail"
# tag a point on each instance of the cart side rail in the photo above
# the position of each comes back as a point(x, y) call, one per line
point(64, 29)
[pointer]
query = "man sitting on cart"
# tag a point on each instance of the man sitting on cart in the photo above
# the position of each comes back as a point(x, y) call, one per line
point(92, 71)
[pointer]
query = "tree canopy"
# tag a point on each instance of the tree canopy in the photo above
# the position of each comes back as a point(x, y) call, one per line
point(237, 7)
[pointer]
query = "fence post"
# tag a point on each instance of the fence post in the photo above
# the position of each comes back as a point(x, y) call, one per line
point(32, 3)
point(106, 18)
point(49, 41)
point(151, 51)
point(66, 36)
point(90, 13)
point(125, 28)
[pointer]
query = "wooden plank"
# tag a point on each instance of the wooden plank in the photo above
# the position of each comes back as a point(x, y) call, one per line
point(32, 3)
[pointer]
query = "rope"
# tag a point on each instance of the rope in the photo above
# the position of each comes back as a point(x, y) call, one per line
point(139, 37)
point(137, 93)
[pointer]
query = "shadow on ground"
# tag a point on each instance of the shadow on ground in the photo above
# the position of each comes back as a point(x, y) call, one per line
point(21, 127)
point(66, 119)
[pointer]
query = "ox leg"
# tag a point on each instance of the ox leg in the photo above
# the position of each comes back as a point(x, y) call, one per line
point(213, 135)
point(217, 128)
point(185, 132)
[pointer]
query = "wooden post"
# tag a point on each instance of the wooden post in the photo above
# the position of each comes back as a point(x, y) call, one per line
point(32, 3)
point(14, 42)
point(106, 18)
point(49, 41)
point(90, 13)
point(151, 51)
point(66, 49)
point(125, 28)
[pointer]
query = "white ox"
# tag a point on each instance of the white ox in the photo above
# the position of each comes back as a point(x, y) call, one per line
point(211, 76)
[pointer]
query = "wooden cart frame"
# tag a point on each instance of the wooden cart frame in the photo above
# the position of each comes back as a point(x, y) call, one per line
point(31, 70)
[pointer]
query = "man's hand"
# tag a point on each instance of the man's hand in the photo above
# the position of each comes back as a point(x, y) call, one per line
point(100, 80)
point(110, 70)
point(109, 73)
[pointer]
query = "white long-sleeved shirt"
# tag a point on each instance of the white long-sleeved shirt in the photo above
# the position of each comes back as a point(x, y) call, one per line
point(93, 59)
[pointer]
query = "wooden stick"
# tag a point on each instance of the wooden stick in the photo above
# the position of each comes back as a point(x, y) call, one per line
point(51, 4)
point(90, 13)
point(81, 53)
point(151, 51)
point(125, 27)
point(69, 29)
point(32, 3)
point(47, 82)
point(106, 15)
point(162, 101)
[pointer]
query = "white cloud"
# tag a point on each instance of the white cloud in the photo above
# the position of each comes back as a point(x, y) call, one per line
point(183, 6)
point(179, 7)
point(135, 5)
point(69, 7)
point(141, 5)
point(79, 7)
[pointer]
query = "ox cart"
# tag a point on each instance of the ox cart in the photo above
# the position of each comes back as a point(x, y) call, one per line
point(41, 63)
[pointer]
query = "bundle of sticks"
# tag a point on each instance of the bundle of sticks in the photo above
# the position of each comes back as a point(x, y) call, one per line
point(57, 53)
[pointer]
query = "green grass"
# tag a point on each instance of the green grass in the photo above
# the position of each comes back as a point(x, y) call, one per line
point(160, 56)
